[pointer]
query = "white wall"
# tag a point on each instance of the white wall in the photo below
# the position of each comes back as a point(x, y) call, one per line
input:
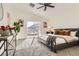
point(62, 16)
point(65, 16)
point(17, 13)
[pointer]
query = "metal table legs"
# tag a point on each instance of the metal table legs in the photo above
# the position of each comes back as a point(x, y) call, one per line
point(14, 47)
point(6, 48)
point(6, 45)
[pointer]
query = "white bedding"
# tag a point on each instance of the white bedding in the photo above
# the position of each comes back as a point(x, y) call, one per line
point(60, 38)
point(68, 38)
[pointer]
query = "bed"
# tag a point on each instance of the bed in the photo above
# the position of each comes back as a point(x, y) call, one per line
point(61, 41)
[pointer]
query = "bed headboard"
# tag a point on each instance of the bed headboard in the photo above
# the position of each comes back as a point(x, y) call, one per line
point(72, 29)
point(66, 31)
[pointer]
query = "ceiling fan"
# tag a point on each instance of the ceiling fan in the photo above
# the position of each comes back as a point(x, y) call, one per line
point(45, 5)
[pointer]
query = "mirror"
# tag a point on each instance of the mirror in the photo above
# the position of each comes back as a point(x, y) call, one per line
point(1, 11)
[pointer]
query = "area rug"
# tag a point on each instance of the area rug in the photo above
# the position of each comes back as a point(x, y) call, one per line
point(44, 51)
point(25, 48)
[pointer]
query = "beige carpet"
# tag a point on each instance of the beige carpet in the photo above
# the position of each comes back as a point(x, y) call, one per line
point(24, 48)
point(36, 51)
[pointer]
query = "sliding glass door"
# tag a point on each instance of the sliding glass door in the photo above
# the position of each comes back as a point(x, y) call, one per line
point(33, 28)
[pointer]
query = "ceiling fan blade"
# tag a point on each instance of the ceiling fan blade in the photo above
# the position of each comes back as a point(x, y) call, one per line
point(45, 8)
point(41, 3)
point(32, 5)
point(49, 3)
point(51, 6)
point(40, 7)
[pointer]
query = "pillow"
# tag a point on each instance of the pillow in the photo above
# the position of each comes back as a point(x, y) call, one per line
point(67, 32)
point(56, 32)
point(77, 34)
point(73, 33)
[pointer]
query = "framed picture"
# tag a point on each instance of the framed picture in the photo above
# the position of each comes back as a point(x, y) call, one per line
point(45, 24)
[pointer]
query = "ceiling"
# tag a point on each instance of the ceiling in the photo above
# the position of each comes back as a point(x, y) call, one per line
point(63, 13)
point(61, 10)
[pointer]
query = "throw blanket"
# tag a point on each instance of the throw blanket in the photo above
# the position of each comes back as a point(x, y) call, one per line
point(51, 40)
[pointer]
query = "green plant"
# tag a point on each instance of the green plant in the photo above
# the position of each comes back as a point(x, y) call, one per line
point(18, 25)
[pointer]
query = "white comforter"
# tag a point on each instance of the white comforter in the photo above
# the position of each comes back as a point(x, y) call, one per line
point(60, 38)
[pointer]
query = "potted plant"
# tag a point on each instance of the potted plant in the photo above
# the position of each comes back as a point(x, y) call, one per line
point(18, 25)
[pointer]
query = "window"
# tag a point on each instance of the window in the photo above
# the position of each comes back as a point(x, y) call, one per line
point(33, 27)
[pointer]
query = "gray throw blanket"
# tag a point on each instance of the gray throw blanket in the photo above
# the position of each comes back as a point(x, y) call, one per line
point(50, 40)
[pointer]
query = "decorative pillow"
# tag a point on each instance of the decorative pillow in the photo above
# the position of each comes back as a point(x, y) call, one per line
point(67, 32)
point(77, 34)
point(73, 33)
point(56, 32)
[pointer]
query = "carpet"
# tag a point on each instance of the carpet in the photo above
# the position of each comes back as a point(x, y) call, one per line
point(24, 48)
point(44, 51)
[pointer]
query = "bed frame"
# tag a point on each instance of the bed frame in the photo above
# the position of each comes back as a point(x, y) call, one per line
point(55, 47)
